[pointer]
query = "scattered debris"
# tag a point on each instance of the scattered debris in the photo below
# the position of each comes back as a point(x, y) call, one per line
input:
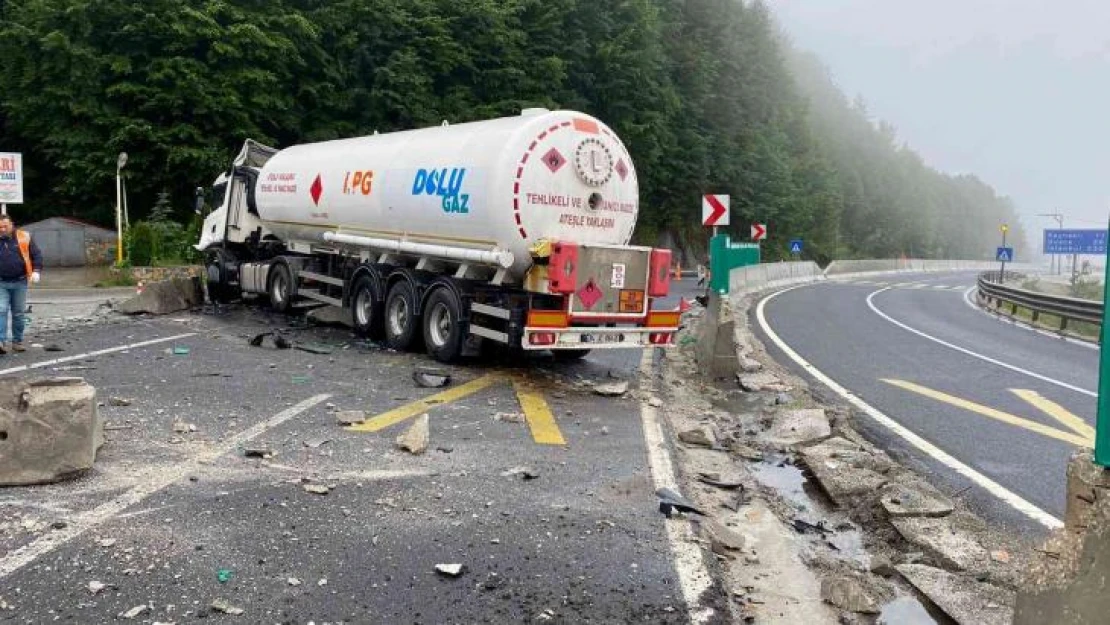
point(95, 587)
point(300, 379)
point(918, 498)
point(135, 611)
point(415, 439)
point(317, 489)
point(722, 539)
point(848, 593)
point(783, 399)
point(670, 501)
point(526, 473)
point(612, 389)
point(655, 402)
point(844, 470)
point(509, 417)
point(746, 452)
point(322, 582)
point(350, 417)
point(315, 348)
point(256, 341)
point(715, 479)
point(224, 575)
point(119, 401)
point(315, 443)
point(258, 452)
point(427, 377)
point(805, 527)
point(952, 547)
point(53, 347)
point(293, 581)
point(220, 605)
point(697, 437)
point(450, 570)
point(107, 543)
point(756, 382)
point(180, 427)
point(181, 350)
point(1001, 555)
point(73, 368)
point(281, 342)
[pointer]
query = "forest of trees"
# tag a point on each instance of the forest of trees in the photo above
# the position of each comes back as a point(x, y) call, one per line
point(708, 95)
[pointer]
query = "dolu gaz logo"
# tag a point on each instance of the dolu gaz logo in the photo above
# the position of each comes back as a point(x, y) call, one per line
point(446, 183)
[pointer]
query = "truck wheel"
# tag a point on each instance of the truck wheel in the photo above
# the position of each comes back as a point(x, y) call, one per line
point(281, 287)
point(400, 316)
point(569, 355)
point(443, 336)
point(217, 276)
point(366, 309)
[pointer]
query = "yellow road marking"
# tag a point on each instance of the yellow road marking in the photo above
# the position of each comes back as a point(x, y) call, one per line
point(1058, 412)
point(538, 415)
point(421, 406)
point(998, 415)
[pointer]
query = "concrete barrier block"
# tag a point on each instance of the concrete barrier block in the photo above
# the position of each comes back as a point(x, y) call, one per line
point(50, 430)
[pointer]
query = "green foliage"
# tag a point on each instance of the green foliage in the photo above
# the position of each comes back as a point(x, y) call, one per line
point(705, 94)
point(142, 244)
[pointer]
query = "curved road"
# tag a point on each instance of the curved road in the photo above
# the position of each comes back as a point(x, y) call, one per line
point(988, 410)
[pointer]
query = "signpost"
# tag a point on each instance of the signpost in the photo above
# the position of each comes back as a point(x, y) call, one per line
point(796, 246)
point(714, 210)
point(1004, 254)
point(1102, 420)
point(11, 180)
point(1001, 257)
point(759, 232)
point(1075, 242)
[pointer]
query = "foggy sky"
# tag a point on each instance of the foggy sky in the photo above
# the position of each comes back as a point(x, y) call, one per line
point(1014, 91)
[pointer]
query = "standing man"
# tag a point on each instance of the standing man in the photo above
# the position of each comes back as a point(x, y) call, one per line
point(20, 263)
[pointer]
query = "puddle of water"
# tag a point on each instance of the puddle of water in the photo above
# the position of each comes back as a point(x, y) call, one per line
point(906, 610)
point(788, 480)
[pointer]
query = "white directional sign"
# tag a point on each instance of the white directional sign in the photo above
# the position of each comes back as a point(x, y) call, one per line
point(714, 210)
point(11, 178)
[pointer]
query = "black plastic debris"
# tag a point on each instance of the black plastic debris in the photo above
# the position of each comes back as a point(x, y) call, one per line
point(670, 501)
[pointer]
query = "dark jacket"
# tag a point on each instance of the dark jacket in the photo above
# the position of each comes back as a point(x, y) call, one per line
point(11, 261)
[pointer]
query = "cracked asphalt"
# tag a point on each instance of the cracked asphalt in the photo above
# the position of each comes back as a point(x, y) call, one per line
point(164, 512)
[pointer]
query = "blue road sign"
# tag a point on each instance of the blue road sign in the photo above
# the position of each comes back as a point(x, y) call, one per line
point(1004, 254)
point(795, 246)
point(1075, 241)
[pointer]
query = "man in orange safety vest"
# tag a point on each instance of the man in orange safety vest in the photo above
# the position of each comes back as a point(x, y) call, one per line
point(20, 263)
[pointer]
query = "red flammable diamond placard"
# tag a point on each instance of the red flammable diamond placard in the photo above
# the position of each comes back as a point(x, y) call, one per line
point(622, 169)
point(316, 190)
point(553, 160)
point(590, 294)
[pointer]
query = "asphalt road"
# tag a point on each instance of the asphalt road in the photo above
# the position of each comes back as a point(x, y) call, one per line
point(164, 512)
point(978, 411)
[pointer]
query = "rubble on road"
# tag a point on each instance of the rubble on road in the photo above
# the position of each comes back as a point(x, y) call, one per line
point(844, 469)
point(526, 473)
point(427, 377)
point(220, 605)
point(916, 498)
point(450, 570)
point(350, 417)
point(944, 540)
point(264, 453)
point(798, 427)
point(52, 430)
point(670, 501)
point(757, 382)
point(612, 389)
point(415, 439)
point(849, 593)
point(697, 437)
point(966, 601)
point(722, 539)
point(316, 489)
point(119, 401)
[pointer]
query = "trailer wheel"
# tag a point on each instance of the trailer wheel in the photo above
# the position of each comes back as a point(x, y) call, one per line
point(281, 287)
point(366, 309)
point(401, 322)
point(443, 333)
point(569, 355)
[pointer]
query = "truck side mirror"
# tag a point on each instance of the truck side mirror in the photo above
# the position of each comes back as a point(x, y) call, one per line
point(198, 205)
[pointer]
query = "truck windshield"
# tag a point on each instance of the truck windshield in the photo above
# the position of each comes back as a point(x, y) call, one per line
point(218, 192)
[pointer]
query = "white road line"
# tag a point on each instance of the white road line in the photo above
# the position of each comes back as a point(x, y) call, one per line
point(159, 480)
point(99, 352)
point(994, 488)
point(693, 576)
point(1025, 326)
point(964, 350)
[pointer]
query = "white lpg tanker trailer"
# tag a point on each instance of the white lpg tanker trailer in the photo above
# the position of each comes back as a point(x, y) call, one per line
point(511, 230)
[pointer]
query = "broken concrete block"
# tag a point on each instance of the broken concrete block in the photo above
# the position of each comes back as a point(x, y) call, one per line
point(696, 437)
point(747, 365)
point(612, 389)
point(841, 467)
point(722, 539)
point(415, 439)
point(49, 430)
point(967, 601)
point(941, 538)
point(848, 593)
point(795, 427)
point(350, 417)
point(755, 382)
point(162, 298)
point(917, 498)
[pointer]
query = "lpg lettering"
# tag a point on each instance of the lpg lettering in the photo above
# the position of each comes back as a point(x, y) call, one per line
point(446, 183)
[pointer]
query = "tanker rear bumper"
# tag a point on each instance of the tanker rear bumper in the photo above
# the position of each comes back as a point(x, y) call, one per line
point(540, 338)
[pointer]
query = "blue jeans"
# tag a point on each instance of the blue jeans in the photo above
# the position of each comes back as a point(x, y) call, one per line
point(13, 297)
